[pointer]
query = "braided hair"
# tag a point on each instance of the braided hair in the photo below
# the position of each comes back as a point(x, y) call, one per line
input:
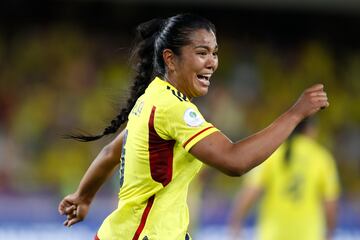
point(300, 129)
point(152, 38)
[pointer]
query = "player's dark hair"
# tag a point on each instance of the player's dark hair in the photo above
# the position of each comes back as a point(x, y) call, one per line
point(152, 38)
point(299, 129)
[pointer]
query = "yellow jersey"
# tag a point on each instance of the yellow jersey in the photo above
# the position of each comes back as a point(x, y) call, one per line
point(294, 192)
point(156, 167)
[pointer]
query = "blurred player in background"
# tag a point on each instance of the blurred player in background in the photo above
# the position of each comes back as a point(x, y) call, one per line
point(299, 190)
point(166, 138)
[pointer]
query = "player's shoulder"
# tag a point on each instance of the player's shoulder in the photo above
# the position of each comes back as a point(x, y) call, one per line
point(167, 96)
point(175, 95)
point(171, 95)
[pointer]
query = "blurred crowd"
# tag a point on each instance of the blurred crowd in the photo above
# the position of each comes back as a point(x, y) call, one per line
point(59, 79)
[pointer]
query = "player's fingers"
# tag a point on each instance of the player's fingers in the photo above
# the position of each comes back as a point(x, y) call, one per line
point(61, 208)
point(70, 210)
point(321, 99)
point(65, 223)
point(325, 105)
point(321, 102)
point(68, 222)
point(71, 215)
point(315, 87)
point(318, 94)
point(65, 203)
point(72, 221)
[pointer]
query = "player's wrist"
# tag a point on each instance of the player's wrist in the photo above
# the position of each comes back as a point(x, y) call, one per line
point(84, 197)
point(294, 116)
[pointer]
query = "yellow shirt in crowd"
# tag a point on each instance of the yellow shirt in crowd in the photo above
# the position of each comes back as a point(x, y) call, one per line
point(294, 192)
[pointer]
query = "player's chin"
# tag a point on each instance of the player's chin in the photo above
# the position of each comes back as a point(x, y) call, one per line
point(202, 91)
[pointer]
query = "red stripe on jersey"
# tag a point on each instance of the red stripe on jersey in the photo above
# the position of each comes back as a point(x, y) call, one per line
point(96, 237)
point(144, 217)
point(160, 154)
point(186, 143)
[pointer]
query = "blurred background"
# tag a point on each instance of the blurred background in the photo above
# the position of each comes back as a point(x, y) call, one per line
point(64, 68)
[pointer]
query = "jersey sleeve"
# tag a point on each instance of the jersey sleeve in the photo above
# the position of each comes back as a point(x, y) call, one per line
point(183, 122)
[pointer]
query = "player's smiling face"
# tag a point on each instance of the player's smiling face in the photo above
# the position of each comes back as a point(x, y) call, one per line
point(196, 63)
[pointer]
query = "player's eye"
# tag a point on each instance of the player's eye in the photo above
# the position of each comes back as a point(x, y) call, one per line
point(202, 53)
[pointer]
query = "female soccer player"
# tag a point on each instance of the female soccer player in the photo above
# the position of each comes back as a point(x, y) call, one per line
point(302, 198)
point(166, 138)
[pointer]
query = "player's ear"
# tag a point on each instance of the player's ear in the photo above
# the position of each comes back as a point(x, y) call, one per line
point(169, 59)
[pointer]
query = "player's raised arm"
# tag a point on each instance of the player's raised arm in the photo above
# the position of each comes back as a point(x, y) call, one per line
point(237, 158)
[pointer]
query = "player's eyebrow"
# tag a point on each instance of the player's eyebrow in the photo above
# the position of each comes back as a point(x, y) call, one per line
point(206, 47)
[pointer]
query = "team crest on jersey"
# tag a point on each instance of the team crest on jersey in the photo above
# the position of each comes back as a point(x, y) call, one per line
point(192, 118)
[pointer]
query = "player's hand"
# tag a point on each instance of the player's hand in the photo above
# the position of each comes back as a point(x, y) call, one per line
point(311, 101)
point(74, 208)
